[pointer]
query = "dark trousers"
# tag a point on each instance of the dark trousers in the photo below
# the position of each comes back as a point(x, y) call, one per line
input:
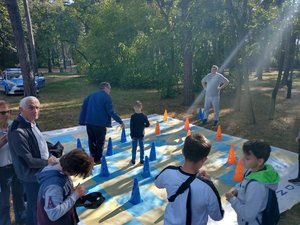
point(96, 136)
point(10, 182)
point(31, 190)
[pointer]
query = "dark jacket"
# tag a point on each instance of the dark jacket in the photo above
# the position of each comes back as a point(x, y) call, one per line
point(97, 110)
point(25, 151)
point(138, 122)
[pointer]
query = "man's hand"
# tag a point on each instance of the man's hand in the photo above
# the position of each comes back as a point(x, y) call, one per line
point(3, 140)
point(122, 125)
point(52, 159)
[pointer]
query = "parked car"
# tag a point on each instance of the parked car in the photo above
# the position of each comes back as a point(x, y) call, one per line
point(11, 81)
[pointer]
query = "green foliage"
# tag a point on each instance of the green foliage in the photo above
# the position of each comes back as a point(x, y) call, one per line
point(8, 52)
point(140, 44)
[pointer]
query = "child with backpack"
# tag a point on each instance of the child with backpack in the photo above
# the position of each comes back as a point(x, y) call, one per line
point(192, 196)
point(257, 191)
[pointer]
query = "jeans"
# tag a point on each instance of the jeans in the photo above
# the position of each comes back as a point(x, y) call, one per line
point(31, 191)
point(134, 147)
point(96, 136)
point(9, 181)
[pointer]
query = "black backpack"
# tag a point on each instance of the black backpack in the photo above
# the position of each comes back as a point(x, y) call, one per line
point(271, 214)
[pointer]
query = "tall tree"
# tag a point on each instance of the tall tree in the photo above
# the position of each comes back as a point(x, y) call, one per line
point(34, 63)
point(187, 54)
point(15, 18)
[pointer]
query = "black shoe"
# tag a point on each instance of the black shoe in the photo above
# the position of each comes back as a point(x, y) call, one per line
point(97, 161)
point(216, 122)
point(132, 162)
point(295, 180)
point(204, 121)
point(142, 162)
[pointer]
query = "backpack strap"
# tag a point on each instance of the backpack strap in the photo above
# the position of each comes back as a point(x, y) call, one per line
point(188, 220)
point(185, 185)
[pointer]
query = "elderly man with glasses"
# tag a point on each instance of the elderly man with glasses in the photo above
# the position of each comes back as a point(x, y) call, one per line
point(9, 181)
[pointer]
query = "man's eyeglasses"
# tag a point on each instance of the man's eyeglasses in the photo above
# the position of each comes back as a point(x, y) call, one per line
point(5, 112)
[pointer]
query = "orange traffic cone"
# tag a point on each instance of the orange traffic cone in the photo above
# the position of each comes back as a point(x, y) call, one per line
point(157, 129)
point(165, 116)
point(238, 174)
point(188, 133)
point(187, 124)
point(231, 156)
point(219, 134)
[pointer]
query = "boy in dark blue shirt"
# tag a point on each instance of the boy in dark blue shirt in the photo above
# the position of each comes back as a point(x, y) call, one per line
point(138, 122)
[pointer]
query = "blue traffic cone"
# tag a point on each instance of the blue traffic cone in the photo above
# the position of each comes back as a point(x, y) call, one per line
point(79, 143)
point(200, 114)
point(123, 136)
point(146, 169)
point(152, 152)
point(109, 150)
point(104, 170)
point(135, 194)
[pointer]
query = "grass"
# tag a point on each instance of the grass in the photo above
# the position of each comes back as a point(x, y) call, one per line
point(63, 94)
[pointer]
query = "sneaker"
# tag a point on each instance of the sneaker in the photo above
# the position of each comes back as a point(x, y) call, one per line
point(97, 161)
point(132, 162)
point(204, 121)
point(216, 122)
point(295, 180)
point(142, 162)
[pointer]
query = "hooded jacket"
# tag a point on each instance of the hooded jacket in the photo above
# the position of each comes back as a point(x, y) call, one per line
point(250, 203)
point(56, 198)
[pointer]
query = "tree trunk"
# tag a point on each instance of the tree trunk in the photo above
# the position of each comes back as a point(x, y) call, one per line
point(34, 64)
point(250, 99)
point(28, 78)
point(187, 56)
point(277, 85)
point(49, 61)
point(63, 56)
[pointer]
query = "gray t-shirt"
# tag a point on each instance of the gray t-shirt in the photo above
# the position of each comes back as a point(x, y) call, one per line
point(5, 157)
point(213, 81)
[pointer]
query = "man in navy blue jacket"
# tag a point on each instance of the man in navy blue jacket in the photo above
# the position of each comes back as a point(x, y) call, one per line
point(96, 113)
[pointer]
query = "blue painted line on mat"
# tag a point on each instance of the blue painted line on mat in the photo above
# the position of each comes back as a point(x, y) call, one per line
point(149, 202)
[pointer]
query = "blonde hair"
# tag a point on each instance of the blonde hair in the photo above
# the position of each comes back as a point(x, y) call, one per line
point(138, 104)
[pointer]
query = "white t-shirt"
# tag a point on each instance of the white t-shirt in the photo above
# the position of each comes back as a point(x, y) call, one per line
point(204, 200)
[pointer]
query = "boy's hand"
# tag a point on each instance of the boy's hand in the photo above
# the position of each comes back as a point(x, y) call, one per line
point(228, 196)
point(234, 192)
point(79, 190)
point(204, 174)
